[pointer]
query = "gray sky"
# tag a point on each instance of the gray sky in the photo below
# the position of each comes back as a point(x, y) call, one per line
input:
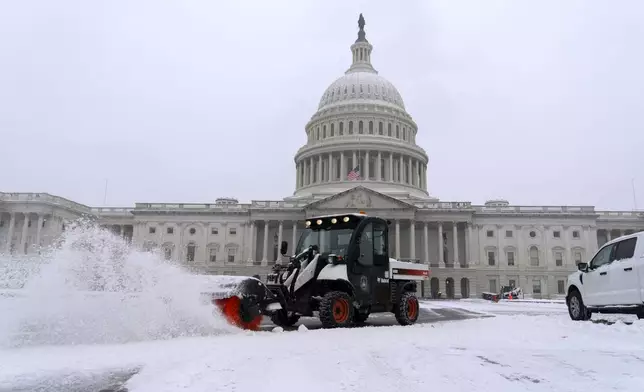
point(186, 101)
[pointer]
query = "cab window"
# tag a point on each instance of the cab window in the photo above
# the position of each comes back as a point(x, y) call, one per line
point(366, 245)
point(603, 257)
point(625, 249)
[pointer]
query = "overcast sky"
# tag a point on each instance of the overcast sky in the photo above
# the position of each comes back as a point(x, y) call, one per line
point(537, 102)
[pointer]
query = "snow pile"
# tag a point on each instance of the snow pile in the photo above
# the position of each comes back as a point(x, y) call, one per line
point(94, 288)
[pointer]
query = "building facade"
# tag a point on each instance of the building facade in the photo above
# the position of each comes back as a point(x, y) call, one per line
point(360, 154)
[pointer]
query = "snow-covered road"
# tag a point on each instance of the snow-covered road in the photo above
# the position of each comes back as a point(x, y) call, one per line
point(530, 352)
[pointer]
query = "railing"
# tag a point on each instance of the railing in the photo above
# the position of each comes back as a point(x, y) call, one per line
point(444, 205)
point(190, 206)
point(44, 198)
point(279, 204)
point(537, 209)
point(621, 214)
point(111, 210)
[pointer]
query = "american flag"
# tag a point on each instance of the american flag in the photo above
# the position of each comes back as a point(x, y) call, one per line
point(354, 174)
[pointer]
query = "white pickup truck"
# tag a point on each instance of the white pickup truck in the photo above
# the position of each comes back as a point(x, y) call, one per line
point(613, 281)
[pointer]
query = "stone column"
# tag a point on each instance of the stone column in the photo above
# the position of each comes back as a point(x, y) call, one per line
point(320, 171)
point(265, 246)
point(311, 174)
point(331, 173)
point(455, 243)
point(409, 172)
point(294, 243)
point(609, 236)
point(353, 162)
point(41, 219)
point(391, 167)
point(468, 241)
point(279, 240)
point(397, 239)
point(12, 225)
point(412, 239)
point(401, 169)
point(426, 242)
point(252, 238)
point(367, 173)
point(440, 243)
point(23, 238)
point(379, 167)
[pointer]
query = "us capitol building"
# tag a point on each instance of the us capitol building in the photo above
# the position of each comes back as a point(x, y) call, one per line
point(360, 154)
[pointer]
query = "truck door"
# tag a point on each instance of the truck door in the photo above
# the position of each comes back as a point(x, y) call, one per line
point(361, 269)
point(381, 293)
point(596, 280)
point(624, 280)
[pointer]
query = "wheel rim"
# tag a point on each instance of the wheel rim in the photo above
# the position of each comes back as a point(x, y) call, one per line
point(575, 307)
point(412, 308)
point(340, 310)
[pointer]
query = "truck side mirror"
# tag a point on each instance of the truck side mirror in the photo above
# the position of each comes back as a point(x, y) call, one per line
point(283, 248)
point(583, 267)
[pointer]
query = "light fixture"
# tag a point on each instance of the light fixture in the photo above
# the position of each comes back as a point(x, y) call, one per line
point(334, 221)
point(308, 223)
point(346, 219)
point(319, 221)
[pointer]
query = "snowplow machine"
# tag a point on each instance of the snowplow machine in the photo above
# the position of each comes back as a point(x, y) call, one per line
point(340, 272)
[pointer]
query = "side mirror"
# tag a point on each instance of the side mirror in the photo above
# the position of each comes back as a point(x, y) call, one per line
point(583, 267)
point(283, 248)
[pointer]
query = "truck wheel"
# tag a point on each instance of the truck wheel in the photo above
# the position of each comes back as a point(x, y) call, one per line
point(576, 308)
point(407, 309)
point(283, 319)
point(336, 310)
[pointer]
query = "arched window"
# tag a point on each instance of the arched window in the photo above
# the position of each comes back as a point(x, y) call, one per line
point(381, 128)
point(534, 256)
point(341, 128)
point(323, 131)
point(360, 127)
point(332, 129)
point(350, 127)
point(389, 129)
point(370, 127)
point(397, 132)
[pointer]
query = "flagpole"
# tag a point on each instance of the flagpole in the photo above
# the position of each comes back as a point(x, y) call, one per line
point(634, 197)
point(105, 194)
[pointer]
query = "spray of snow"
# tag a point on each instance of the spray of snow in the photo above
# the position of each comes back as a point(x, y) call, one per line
point(92, 287)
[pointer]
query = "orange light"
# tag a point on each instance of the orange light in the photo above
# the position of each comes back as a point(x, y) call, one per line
point(363, 213)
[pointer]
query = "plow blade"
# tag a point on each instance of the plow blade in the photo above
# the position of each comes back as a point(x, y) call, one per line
point(242, 301)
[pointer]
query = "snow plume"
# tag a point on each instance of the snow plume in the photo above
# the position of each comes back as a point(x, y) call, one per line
point(92, 287)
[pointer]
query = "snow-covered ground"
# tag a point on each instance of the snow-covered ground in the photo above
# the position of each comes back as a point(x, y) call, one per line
point(502, 353)
point(146, 331)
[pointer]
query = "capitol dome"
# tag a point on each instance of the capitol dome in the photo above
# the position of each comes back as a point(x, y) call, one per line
point(361, 134)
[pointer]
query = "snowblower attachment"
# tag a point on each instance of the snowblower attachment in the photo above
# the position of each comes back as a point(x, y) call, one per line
point(241, 300)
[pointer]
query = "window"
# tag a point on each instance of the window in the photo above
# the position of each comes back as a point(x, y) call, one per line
point(214, 231)
point(213, 254)
point(232, 231)
point(360, 127)
point(512, 283)
point(534, 256)
point(381, 130)
point(367, 246)
point(556, 234)
point(508, 233)
point(575, 234)
point(561, 287)
point(350, 127)
point(510, 258)
point(491, 258)
point(193, 231)
point(559, 259)
point(536, 286)
point(232, 252)
point(533, 234)
point(492, 285)
point(577, 258)
point(169, 230)
point(152, 230)
point(602, 257)
point(490, 233)
point(625, 249)
point(190, 254)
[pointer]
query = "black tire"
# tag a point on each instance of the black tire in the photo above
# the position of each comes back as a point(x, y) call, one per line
point(283, 319)
point(336, 310)
point(576, 308)
point(407, 309)
point(360, 318)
